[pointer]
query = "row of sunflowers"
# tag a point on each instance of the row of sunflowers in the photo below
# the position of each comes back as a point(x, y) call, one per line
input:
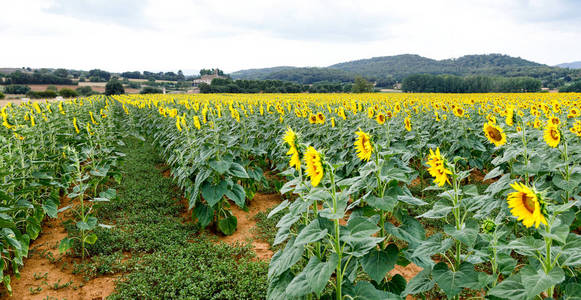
point(55, 158)
point(480, 191)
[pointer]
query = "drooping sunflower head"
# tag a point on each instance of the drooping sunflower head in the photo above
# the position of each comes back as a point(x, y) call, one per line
point(314, 165)
point(363, 145)
point(295, 161)
point(380, 118)
point(408, 124)
point(525, 204)
point(290, 137)
point(437, 167)
point(494, 134)
point(370, 112)
point(552, 136)
point(491, 119)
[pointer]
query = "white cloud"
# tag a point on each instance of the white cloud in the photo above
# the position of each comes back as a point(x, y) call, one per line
point(182, 34)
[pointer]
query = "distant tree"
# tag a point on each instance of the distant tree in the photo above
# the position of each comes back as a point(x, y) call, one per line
point(204, 88)
point(16, 89)
point(102, 75)
point(64, 73)
point(134, 84)
point(361, 85)
point(180, 76)
point(68, 93)
point(151, 90)
point(51, 88)
point(1, 95)
point(114, 87)
point(39, 95)
point(572, 88)
point(84, 90)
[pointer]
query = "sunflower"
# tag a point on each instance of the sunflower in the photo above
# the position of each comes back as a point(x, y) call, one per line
point(75, 125)
point(380, 118)
point(491, 119)
point(370, 112)
point(314, 165)
point(459, 111)
point(573, 113)
point(552, 136)
point(290, 137)
point(197, 122)
point(437, 168)
point(312, 118)
point(333, 122)
point(554, 121)
point(295, 161)
point(363, 145)
point(320, 118)
point(408, 124)
point(525, 205)
point(494, 134)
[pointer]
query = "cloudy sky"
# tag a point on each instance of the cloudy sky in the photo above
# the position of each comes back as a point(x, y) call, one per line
point(121, 35)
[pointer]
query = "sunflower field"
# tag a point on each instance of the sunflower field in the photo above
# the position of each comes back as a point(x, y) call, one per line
point(479, 191)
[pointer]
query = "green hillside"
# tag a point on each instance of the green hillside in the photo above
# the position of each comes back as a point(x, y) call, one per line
point(387, 70)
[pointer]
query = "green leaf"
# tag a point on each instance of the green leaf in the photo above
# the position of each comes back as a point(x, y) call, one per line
point(452, 282)
point(438, 211)
point(420, 283)
point(318, 272)
point(510, 288)
point(238, 171)
point(572, 291)
point(387, 203)
point(237, 194)
point(466, 235)
point(311, 233)
point(214, 193)
point(65, 245)
point(299, 286)
point(536, 280)
point(32, 228)
point(228, 225)
point(284, 259)
point(364, 290)
point(433, 245)
point(377, 262)
point(396, 285)
point(49, 207)
point(108, 194)
point(220, 166)
point(204, 213)
point(91, 238)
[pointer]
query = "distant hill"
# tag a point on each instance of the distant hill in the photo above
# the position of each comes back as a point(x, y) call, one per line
point(571, 65)
point(386, 70)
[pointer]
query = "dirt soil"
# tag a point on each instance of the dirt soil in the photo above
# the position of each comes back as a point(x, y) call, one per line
point(45, 267)
point(244, 234)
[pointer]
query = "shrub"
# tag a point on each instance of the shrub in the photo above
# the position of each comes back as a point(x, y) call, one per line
point(1, 95)
point(38, 95)
point(68, 93)
point(150, 90)
point(85, 91)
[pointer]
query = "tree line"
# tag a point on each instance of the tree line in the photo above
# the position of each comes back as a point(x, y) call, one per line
point(428, 83)
point(221, 85)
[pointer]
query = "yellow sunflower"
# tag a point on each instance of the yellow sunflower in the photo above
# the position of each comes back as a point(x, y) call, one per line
point(380, 118)
point(314, 165)
point(459, 112)
point(290, 137)
point(573, 113)
point(554, 121)
point(312, 118)
point(552, 136)
point(75, 125)
point(294, 161)
point(437, 168)
point(408, 124)
point(320, 118)
point(363, 145)
point(494, 134)
point(525, 205)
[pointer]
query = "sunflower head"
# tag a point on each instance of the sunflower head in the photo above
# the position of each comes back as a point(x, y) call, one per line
point(314, 165)
point(494, 134)
point(526, 205)
point(552, 136)
point(312, 118)
point(290, 137)
point(294, 161)
point(459, 111)
point(437, 167)
point(320, 118)
point(488, 225)
point(370, 112)
point(363, 145)
point(380, 118)
point(408, 124)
